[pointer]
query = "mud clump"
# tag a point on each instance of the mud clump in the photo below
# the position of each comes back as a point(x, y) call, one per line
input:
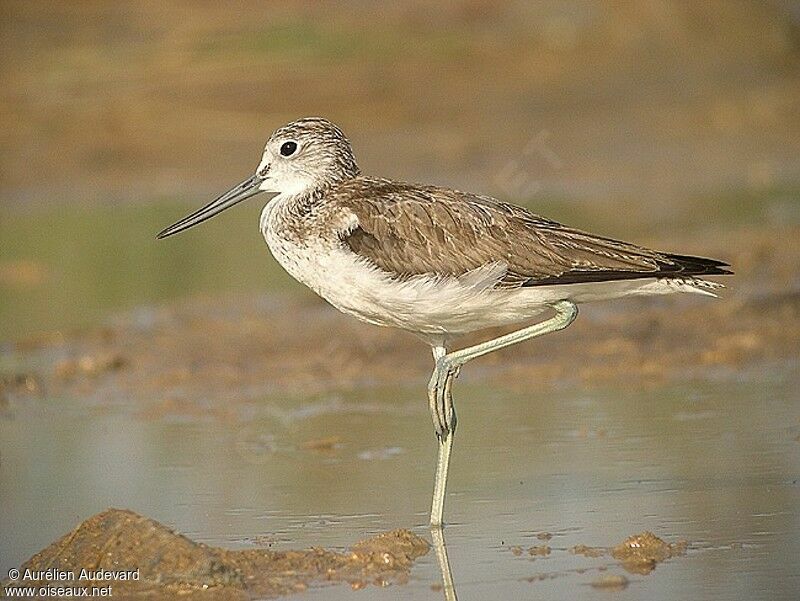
point(539, 551)
point(640, 553)
point(587, 551)
point(171, 566)
point(610, 582)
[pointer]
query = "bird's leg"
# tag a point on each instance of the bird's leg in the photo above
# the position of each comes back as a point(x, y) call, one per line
point(566, 312)
point(447, 367)
point(444, 422)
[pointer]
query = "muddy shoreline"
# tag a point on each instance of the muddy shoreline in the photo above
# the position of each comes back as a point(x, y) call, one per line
point(135, 557)
point(206, 354)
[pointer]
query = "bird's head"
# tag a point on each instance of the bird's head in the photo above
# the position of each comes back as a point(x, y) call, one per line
point(304, 155)
point(299, 158)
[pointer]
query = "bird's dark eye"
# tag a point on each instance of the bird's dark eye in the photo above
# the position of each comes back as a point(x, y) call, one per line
point(288, 148)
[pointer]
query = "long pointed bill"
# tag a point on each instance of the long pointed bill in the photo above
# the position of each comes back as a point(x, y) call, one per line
point(235, 195)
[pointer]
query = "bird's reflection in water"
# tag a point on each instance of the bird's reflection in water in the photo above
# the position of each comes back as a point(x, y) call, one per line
point(444, 563)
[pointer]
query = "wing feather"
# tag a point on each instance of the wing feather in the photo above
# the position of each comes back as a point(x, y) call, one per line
point(410, 230)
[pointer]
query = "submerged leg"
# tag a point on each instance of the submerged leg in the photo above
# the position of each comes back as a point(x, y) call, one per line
point(440, 398)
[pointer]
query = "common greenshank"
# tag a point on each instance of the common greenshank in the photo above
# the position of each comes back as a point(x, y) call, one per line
point(434, 261)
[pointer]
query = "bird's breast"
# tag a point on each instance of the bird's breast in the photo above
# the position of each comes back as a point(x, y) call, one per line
point(305, 242)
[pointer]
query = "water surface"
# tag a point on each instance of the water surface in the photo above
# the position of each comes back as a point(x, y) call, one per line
point(716, 463)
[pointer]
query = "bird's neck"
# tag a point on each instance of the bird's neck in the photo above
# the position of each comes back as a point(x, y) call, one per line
point(320, 188)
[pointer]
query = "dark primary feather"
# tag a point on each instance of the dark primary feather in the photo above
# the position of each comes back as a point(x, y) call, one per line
point(409, 230)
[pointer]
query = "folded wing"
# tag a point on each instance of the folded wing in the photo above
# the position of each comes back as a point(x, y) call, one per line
point(410, 230)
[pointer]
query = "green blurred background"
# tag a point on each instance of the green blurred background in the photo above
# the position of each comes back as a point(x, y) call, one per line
point(632, 118)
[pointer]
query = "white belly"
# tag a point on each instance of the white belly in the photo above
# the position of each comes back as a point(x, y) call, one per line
point(438, 308)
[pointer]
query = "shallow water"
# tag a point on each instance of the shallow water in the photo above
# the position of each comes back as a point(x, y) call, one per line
point(716, 463)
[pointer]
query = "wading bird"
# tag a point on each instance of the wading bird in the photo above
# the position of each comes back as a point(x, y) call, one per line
point(433, 261)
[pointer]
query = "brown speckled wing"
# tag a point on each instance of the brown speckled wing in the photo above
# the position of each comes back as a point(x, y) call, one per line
point(410, 230)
